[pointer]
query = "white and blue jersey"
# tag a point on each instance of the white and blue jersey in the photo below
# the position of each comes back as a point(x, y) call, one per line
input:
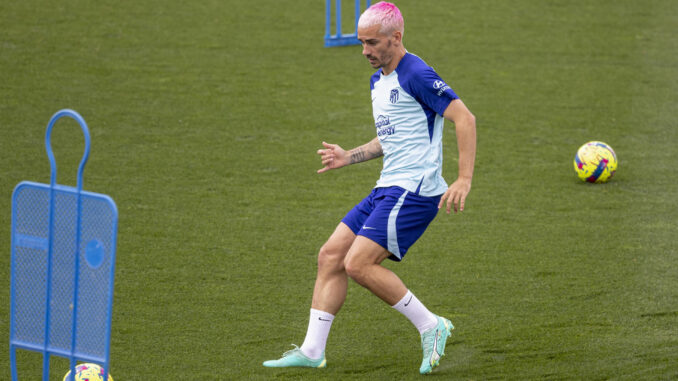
point(408, 105)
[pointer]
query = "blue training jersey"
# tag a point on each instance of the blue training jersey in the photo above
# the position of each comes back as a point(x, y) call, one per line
point(408, 105)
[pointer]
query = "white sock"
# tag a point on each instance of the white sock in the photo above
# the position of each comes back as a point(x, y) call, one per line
point(319, 325)
point(418, 314)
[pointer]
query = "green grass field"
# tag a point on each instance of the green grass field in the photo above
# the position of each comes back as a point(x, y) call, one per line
point(205, 118)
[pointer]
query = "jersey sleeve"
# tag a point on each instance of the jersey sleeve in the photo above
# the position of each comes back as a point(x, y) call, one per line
point(427, 86)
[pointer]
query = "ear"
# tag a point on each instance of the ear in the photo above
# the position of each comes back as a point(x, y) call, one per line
point(397, 36)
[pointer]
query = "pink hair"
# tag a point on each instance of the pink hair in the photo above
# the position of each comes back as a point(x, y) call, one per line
point(385, 14)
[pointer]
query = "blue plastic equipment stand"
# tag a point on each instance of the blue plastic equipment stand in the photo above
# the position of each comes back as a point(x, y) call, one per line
point(62, 265)
point(341, 39)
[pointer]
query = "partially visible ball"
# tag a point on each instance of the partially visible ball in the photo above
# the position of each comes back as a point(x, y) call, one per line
point(87, 372)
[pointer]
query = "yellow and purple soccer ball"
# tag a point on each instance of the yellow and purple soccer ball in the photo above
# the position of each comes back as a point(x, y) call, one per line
point(87, 372)
point(595, 162)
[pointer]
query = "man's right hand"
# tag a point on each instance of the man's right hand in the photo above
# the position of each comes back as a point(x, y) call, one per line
point(332, 157)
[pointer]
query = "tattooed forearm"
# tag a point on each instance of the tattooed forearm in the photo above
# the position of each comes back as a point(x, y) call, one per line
point(366, 152)
point(357, 155)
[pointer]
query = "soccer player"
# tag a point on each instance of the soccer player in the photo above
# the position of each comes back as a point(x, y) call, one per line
point(409, 102)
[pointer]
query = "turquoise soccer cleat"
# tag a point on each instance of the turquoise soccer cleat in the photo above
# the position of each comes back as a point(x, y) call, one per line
point(296, 358)
point(433, 344)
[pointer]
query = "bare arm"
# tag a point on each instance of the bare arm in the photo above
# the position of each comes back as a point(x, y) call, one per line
point(333, 156)
point(465, 124)
point(367, 151)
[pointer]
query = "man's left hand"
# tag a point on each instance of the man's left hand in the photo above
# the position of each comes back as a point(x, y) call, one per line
point(455, 196)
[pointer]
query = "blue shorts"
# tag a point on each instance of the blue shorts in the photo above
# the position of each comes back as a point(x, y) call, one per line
point(392, 217)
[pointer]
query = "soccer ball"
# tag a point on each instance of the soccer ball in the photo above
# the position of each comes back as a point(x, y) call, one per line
point(595, 162)
point(87, 372)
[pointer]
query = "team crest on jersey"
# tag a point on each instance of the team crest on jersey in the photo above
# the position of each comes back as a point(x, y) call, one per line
point(394, 96)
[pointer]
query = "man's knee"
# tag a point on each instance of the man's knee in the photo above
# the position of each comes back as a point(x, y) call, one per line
point(352, 269)
point(331, 258)
point(355, 268)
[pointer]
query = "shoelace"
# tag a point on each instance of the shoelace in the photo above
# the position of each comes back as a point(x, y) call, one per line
point(296, 348)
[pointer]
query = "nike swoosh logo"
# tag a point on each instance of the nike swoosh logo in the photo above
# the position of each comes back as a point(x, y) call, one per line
point(369, 228)
point(408, 302)
point(321, 319)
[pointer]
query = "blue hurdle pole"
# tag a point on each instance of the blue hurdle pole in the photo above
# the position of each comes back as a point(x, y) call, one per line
point(328, 4)
point(357, 15)
point(338, 20)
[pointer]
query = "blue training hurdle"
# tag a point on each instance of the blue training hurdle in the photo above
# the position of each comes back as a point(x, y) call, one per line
point(341, 39)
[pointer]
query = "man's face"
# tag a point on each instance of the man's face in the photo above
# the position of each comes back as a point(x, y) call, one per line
point(378, 48)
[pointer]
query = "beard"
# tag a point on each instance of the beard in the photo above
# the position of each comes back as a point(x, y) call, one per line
point(384, 60)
